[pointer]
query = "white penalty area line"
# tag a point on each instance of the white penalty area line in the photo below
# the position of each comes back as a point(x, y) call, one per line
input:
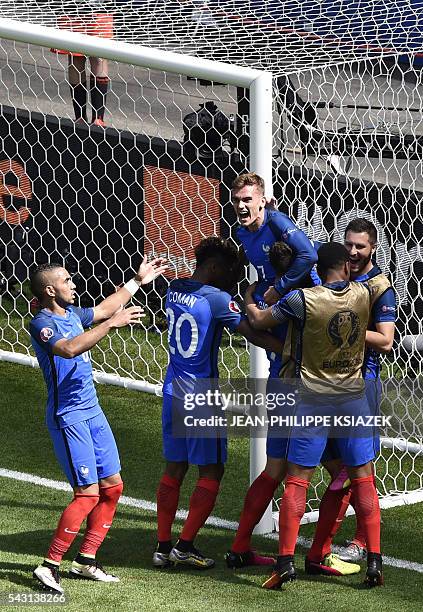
point(214, 521)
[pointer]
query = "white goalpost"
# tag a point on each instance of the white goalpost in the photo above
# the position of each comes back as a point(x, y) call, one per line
point(323, 100)
point(259, 84)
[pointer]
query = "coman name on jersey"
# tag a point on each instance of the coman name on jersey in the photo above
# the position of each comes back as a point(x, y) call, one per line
point(182, 298)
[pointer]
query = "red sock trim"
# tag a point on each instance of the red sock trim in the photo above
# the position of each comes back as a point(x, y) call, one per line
point(356, 481)
point(170, 482)
point(266, 476)
point(297, 481)
point(117, 490)
point(100, 79)
point(209, 484)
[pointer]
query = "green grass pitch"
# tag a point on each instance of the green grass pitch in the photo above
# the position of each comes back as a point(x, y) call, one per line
point(29, 513)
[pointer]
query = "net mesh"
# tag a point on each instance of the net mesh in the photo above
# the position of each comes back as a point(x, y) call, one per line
point(269, 34)
point(347, 142)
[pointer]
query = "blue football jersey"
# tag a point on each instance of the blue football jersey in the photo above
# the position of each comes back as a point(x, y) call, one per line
point(384, 311)
point(196, 316)
point(278, 227)
point(275, 359)
point(71, 395)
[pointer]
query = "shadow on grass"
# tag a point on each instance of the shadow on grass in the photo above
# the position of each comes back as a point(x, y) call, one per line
point(133, 548)
point(36, 506)
point(18, 573)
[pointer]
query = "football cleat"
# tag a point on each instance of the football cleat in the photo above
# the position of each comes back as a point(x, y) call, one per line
point(161, 560)
point(49, 577)
point(93, 571)
point(192, 558)
point(353, 553)
point(331, 565)
point(161, 555)
point(237, 560)
point(99, 122)
point(374, 574)
point(283, 572)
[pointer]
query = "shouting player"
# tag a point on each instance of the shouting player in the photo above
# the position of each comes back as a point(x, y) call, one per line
point(197, 308)
point(330, 368)
point(83, 441)
point(260, 228)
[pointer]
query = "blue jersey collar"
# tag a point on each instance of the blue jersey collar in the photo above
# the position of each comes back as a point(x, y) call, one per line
point(371, 274)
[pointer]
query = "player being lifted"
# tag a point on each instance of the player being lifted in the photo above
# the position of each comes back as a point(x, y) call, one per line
point(261, 491)
point(316, 357)
point(197, 308)
point(260, 228)
point(83, 441)
point(361, 242)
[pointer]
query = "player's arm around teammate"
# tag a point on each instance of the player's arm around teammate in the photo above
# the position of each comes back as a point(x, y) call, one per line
point(360, 240)
point(197, 309)
point(314, 308)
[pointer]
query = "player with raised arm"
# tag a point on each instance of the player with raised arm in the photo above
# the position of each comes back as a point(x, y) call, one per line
point(361, 242)
point(260, 228)
point(82, 439)
point(330, 375)
point(197, 309)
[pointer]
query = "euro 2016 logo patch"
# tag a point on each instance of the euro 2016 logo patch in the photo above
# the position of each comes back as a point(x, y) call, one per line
point(46, 333)
point(343, 329)
point(233, 307)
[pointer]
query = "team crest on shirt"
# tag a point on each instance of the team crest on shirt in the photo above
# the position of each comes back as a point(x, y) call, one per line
point(343, 329)
point(46, 333)
point(233, 307)
point(266, 247)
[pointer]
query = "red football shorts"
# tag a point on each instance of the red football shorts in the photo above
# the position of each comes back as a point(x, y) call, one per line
point(96, 24)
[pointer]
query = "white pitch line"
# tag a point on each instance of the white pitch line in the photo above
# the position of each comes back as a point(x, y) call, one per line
point(214, 521)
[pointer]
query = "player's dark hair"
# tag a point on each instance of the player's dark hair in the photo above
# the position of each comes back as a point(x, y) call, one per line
point(280, 257)
point(216, 248)
point(331, 256)
point(250, 178)
point(361, 225)
point(37, 278)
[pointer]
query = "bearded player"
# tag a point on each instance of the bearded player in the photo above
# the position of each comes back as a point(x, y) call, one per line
point(361, 243)
point(82, 439)
point(329, 376)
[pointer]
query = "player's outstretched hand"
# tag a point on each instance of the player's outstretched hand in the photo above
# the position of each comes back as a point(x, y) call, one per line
point(147, 272)
point(126, 316)
point(272, 296)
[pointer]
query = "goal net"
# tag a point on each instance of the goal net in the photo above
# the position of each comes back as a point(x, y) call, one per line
point(347, 142)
